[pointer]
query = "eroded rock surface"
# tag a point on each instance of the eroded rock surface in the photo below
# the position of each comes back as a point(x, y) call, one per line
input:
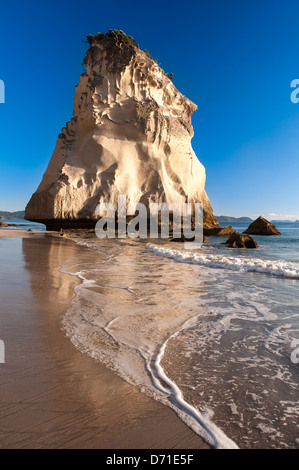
point(239, 240)
point(130, 135)
point(262, 226)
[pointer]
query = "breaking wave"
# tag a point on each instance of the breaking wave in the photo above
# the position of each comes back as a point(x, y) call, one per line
point(279, 268)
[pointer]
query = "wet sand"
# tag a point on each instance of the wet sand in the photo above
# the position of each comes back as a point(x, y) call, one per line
point(24, 233)
point(51, 395)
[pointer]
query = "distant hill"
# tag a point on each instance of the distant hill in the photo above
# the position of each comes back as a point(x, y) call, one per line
point(228, 218)
point(283, 221)
point(12, 215)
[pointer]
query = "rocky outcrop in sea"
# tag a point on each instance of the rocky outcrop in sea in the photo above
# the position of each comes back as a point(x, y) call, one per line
point(130, 134)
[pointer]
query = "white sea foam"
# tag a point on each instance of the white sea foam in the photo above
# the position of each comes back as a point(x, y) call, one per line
point(280, 268)
point(201, 424)
point(130, 312)
point(133, 357)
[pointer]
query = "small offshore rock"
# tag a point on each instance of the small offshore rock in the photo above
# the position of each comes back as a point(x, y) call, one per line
point(262, 226)
point(239, 240)
point(225, 231)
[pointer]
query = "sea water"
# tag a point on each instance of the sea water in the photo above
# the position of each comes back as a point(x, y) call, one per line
point(207, 332)
point(22, 224)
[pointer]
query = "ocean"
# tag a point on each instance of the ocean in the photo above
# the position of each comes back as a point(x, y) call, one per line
point(22, 224)
point(210, 332)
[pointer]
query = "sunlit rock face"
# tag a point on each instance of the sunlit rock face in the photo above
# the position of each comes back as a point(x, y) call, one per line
point(130, 135)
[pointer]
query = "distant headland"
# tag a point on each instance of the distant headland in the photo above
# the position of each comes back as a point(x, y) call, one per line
point(228, 218)
point(12, 215)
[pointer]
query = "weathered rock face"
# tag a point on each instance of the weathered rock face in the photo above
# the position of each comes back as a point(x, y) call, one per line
point(225, 231)
point(130, 135)
point(3, 224)
point(261, 226)
point(238, 240)
point(214, 231)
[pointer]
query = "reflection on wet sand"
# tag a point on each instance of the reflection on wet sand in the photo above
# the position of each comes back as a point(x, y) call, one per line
point(51, 394)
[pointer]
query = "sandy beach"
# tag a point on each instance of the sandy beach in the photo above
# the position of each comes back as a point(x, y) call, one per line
point(24, 233)
point(53, 396)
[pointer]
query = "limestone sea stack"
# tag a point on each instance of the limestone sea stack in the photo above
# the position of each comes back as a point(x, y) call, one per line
point(130, 134)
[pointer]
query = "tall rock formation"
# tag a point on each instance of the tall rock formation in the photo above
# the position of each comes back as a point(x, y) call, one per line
point(130, 135)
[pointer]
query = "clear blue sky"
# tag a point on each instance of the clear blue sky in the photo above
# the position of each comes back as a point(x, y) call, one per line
point(235, 59)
